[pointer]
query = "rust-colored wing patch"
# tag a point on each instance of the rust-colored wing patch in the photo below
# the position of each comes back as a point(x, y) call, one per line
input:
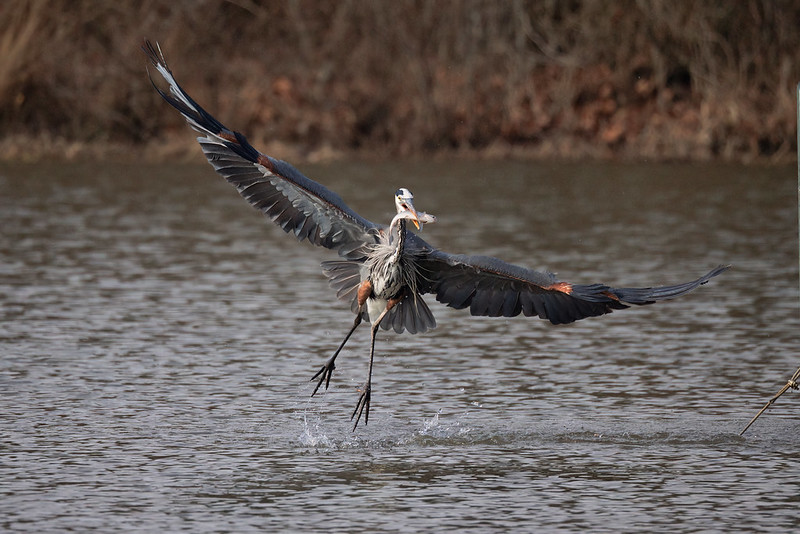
point(563, 287)
point(228, 136)
point(264, 160)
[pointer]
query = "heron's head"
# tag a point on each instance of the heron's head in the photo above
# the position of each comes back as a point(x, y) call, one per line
point(404, 201)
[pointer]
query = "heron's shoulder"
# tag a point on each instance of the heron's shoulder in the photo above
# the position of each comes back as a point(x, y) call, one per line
point(418, 246)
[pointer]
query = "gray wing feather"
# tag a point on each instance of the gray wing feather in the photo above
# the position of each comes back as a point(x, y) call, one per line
point(489, 286)
point(293, 201)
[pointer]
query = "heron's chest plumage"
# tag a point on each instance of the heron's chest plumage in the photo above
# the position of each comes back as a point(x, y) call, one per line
point(385, 273)
point(390, 267)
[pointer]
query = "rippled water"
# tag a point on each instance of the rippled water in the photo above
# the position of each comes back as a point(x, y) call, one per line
point(158, 338)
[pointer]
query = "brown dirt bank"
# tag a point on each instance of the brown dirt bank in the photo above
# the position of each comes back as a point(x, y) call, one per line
point(307, 80)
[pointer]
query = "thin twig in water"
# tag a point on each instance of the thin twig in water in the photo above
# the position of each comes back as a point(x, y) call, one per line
point(792, 383)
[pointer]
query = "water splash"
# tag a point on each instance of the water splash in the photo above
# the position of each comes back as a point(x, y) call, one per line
point(312, 436)
point(431, 423)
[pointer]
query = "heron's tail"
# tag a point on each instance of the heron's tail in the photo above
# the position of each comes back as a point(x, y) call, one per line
point(411, 313)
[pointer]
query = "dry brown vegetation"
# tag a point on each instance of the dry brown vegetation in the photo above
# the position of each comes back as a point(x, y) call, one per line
point(634, 79)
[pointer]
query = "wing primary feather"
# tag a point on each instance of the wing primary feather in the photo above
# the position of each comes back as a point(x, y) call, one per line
point(296, 203)
point(489, 286)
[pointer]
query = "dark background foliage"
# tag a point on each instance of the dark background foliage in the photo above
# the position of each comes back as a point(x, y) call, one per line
point(631, 79)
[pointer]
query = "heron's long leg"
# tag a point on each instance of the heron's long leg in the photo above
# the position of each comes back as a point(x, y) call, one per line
point(366, 392)
point(326, 372)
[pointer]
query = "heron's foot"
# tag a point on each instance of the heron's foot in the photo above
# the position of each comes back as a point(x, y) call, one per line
point(362, 405)
point(324, 374)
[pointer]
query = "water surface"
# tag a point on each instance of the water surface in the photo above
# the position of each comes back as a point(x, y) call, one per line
point(157, 338)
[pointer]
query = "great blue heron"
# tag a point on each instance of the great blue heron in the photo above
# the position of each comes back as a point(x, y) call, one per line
point(385, 270)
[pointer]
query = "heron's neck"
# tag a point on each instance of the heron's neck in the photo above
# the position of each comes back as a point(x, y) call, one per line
point(398, 239)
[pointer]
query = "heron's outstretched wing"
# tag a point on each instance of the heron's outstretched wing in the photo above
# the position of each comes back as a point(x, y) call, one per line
point(492, 287)
point(296, 203)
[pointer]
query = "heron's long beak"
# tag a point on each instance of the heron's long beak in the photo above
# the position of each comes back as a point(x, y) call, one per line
point(408, 206)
